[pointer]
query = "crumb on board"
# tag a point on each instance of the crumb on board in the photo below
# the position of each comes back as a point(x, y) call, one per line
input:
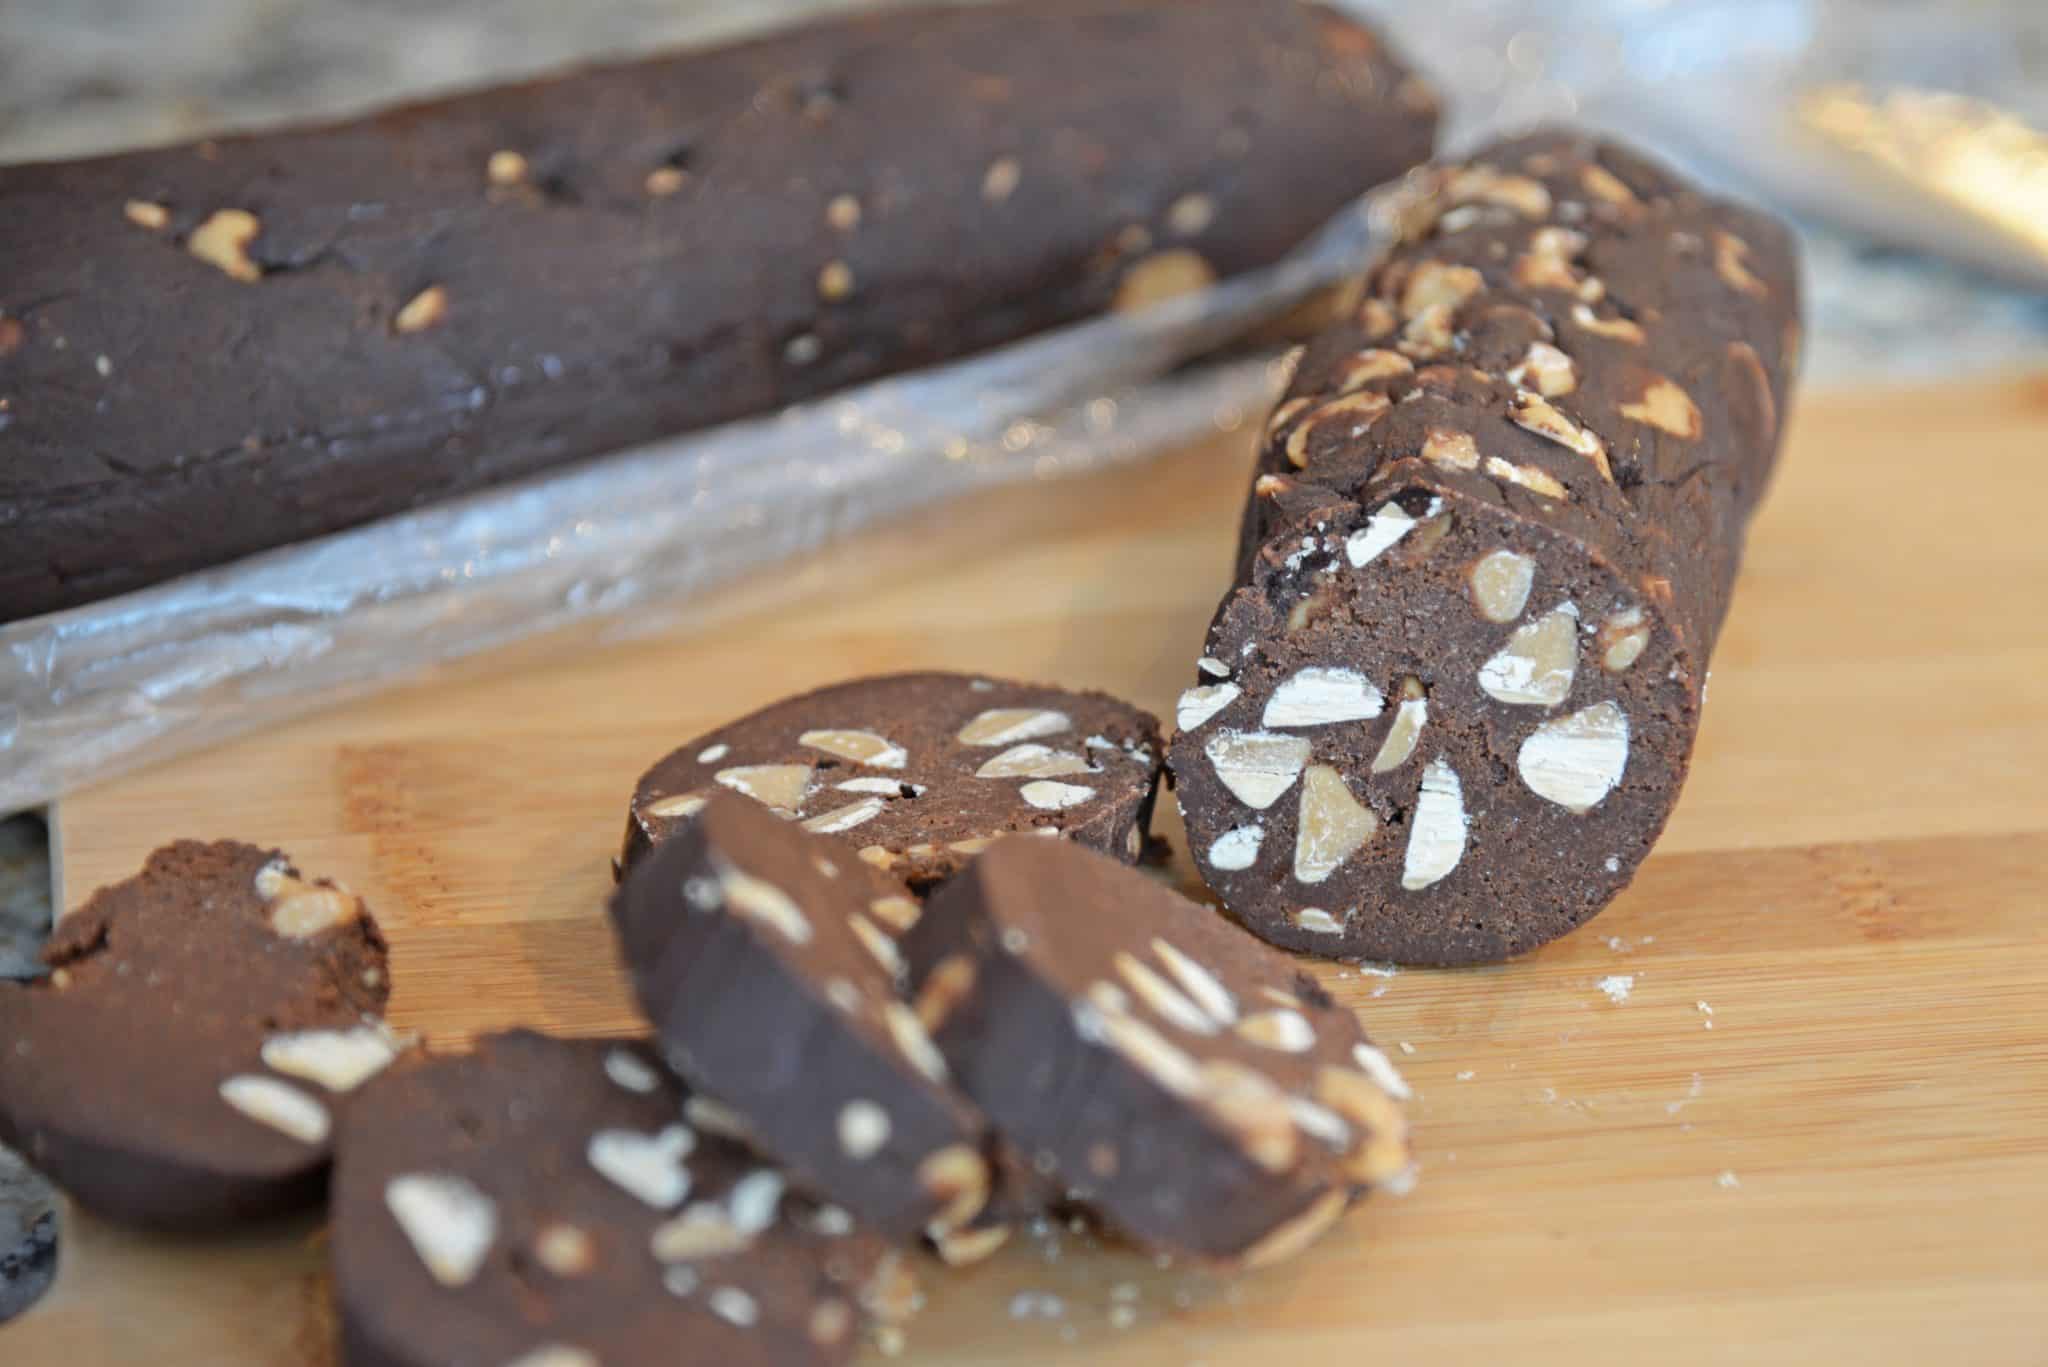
point(1617, 986)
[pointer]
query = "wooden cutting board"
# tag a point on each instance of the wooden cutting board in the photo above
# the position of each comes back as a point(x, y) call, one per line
point(1786, 1101)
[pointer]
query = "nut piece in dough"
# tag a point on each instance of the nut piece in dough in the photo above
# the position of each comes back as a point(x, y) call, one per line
point(1237, 848)
point(1321, 694)
point(1528, 477)
point(1575, 761)
point(862, 747)
point(1406, 731)
point(1451, 450)
point(1500, 584)
point(279, 1106)
point(1160, 277)
point(1667, 408)
point(780, 786)
point(223, 242)
point(1436, 839)
point(428, 308)
point(1536, 666)
point(1007, 725)
point(1533, 413)
point(1332, 827)
point(1546, 370)
point(449, 1222)
point(1621, 639)
point(1257, 766)
point(1032, 760)
point(1202, 702)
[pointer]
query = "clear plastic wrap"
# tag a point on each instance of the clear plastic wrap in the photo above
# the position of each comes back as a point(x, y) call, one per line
point(1833, 108)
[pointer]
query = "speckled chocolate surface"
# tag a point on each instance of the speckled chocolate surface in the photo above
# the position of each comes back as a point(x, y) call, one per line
point(920, 772)
point(1493, 532)
point(182, 1064)
point(1177, 1076)
point(212, 349)
point(543, 1202)
point(767, 961)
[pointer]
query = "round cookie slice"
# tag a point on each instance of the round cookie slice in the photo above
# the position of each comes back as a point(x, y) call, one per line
point(181, 1065)
point(1184, 1080)
point(757, 953)
point(920, 772)
point(543, 1203)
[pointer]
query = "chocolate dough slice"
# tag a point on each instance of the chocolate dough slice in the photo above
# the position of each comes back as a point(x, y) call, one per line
point(1449, 705)
point(543, 1203)
point(920, 772)
point(1182, 1079)
point(182, 1064)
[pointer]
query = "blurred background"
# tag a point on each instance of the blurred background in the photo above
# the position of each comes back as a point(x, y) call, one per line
point(1906, 138)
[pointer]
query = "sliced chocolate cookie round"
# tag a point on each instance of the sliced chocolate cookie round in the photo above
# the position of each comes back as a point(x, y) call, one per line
point(543, 1203)
point(920, 772)
point(1182, 1079)
point(181, 1064)
point(757, 952)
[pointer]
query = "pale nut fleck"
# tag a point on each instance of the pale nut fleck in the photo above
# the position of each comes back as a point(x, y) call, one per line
point(734, 1306)
point(427, 309)
point(1032, 760)
point(1162, 276)
point(845, 818)
point(673, 808)
point(1381, 1158)
point(1376, 316)
point(1437, 829)
point(1191, 215)
point(959, 1177)
point(1318, 695)
point(701, 1231)
point(505, 168)
point(223, 242)
point(556, 1355)
point(754, 1201)
point(830, 1322)
point(1000, 181)
point(1667, 408)
point(1143, 1048)
point(879, 856)
point(1197, 705)
point(949, 983)
point(877, 943)
point(1620, 329)
point(1526, 196)
point(863, 1129)
point(1257, 766)
point(1500, 584)
point(1237, 848)
point(842, 213)
point(626, 1070)
point(1603, 184)
point(1533, 413)
point(1575, 761)
point(1287, 411)
point(1450, 450)
point(1380, 532)
point(146, 214)
point(1621, 639)
point(975, 844)
point(1406, 732)
point(339, 1060)
point(1296, 1234)
point(1333, 825)
point(862, 747)
point(1536, 666)
point(1546, 370)
point(835, 281)
point(912, 1041)
point(313, 910)
point(1166, 1000)
point(1279, 1029)
point(1362, 409)
point(1374, 363)
point(1255, 1112)
point(1377, 1066)
point(1201, 986)
point(898, 913)
point(1530, 477)
point(664, 181)
point(1048, 795)
point(1008, 725)
point(759, 900)
point(278, 1106)
point(1433, 285)
point(565, 1250)
point(715, 1117)
point(965, 1247)
point(781, 786)
point(1316, 921)
point(648, 1167)
point(449, 1222)
point(1731, 263)
point(1547, 264)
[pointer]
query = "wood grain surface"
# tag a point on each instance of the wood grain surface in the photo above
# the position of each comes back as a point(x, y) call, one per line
point(1814, 1130)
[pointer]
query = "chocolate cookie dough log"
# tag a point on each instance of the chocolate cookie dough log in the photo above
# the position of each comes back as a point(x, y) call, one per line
point(758, 953)
point(513, 279)
point(181, 1065)
point(1450, 703)
point(921, 772)
point(471, 1225)
point(1183, 1080)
